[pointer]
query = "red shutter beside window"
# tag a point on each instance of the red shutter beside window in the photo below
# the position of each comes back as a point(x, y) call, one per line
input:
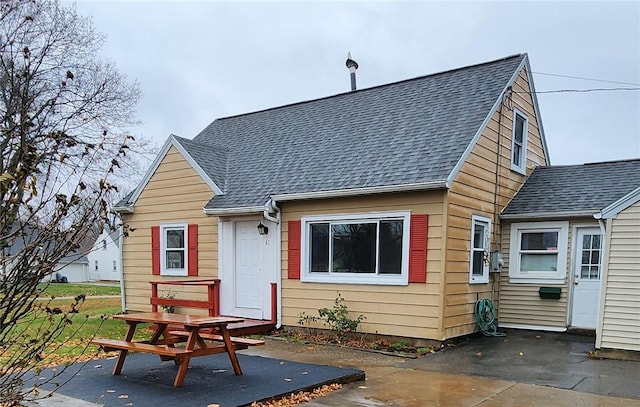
point(193, 249)
point(155, 250)
point(294, 250)
point(418, 249)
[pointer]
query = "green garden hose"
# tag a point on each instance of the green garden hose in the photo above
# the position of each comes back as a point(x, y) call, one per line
point(486, 318)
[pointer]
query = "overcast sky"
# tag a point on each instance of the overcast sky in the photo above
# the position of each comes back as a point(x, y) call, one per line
point(198, 61)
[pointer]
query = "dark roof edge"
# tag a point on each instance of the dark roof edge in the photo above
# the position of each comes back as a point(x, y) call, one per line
point(594, 163)
point(550, 215)
point(467, 152)
point(373, 87)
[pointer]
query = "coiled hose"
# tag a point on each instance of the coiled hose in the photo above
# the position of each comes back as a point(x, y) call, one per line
point(486, 318)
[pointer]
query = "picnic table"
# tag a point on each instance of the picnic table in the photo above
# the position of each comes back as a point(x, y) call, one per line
point(202, 335)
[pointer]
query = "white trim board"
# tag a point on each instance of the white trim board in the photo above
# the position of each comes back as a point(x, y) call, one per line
point(172, 142)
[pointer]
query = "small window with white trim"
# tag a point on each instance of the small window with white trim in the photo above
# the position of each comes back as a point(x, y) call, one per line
point(480, 246)
point(519, 142)
point(538, 252)
point(173, 244)
point(356, 248)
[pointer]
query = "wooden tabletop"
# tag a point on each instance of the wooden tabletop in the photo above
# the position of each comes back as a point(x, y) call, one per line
point(201, 321)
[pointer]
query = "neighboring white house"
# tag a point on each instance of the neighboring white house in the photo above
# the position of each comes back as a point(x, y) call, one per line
point(104, 257)
point(75, 267)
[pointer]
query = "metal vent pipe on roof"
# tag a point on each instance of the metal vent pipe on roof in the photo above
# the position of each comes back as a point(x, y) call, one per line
point(353, 66)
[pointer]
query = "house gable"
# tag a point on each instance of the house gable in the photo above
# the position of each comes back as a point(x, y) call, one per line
point(481, 186)
point(521, 82)
point(174, 194)
point(177, 144)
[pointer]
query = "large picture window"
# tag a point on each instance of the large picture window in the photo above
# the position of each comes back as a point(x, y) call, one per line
point(173, 250)
point(538, 252)
point(361, 248)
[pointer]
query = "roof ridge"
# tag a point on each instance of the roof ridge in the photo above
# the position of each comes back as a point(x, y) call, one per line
point(593, 163)
point(448, 71)
point(198, 143)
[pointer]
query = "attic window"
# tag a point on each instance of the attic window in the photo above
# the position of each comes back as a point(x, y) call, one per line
point(519, 142)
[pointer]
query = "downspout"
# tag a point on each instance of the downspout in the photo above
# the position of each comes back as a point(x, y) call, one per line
point(271, 208)
point(121, 271)
point(604, 266)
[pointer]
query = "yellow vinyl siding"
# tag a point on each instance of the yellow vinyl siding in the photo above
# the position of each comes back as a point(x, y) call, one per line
point(175, 194)
point(474, 192)
point(621, 318)
point(412, 310)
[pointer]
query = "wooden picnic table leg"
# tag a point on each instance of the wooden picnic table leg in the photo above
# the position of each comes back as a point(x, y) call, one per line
point(184, 360)
point(123, 353)
point(231, 350)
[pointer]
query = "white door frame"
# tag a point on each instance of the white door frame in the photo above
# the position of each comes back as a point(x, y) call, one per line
point(226, 263)
point(575, 247)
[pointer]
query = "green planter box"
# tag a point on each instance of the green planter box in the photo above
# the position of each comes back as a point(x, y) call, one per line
point(550, 293)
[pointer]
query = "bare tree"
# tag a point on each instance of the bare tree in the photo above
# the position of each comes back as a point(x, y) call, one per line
point(63, 116)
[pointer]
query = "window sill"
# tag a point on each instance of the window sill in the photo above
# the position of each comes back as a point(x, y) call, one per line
point(521, 171)
point(479, 281)
point(349, 279)
point(174, 273)
point(536, 280)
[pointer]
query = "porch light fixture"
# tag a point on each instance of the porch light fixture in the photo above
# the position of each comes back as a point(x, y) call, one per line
point(262, 229)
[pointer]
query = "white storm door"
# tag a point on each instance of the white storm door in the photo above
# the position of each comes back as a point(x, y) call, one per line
point(248, 270)
point(587, 272)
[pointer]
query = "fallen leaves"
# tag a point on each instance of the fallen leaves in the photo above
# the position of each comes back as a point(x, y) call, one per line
point(300, 397)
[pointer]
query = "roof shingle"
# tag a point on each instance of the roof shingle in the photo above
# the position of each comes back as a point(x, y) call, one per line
point(407, 132)
point(575, 188)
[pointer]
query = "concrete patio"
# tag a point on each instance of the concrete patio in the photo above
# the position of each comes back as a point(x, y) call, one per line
point(523, 369)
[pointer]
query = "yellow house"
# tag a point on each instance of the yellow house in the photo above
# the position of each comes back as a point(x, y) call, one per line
point(389, 195)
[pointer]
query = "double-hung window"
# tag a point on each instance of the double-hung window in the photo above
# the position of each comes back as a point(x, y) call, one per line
point(519, 142)
point(356, 248)
point(479, 257)
point(173, 243)
point(538, 252)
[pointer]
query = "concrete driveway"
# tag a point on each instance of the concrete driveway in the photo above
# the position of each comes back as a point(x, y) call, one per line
point(553, 370)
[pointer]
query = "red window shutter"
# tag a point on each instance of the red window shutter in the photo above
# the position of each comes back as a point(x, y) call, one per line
point(193, 249)
point(155, 250)
point(294, 249)
point(418, 249)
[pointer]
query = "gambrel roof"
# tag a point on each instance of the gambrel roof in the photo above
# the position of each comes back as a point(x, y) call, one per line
point(409, 134)
point(574, 190)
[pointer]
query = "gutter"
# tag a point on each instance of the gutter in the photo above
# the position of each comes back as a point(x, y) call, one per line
point(337, 193)
point(123, 209)
point(234, 211)
point(548, 215)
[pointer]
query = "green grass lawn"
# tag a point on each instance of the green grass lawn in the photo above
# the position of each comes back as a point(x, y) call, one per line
point(93, 320)
point(71, 290)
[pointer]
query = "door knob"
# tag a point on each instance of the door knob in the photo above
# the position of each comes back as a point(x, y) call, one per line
point(575, 280)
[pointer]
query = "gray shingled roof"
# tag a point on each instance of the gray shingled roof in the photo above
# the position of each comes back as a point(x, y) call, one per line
point(575, 188)
point(211, 158)
point(407, 132)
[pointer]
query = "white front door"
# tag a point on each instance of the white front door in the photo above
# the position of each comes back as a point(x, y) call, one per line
point(247, 266)
point(248, 270)
point(587, 272)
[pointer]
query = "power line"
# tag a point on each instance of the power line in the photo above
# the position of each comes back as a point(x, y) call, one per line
point(586, 79)
point(582, 90)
